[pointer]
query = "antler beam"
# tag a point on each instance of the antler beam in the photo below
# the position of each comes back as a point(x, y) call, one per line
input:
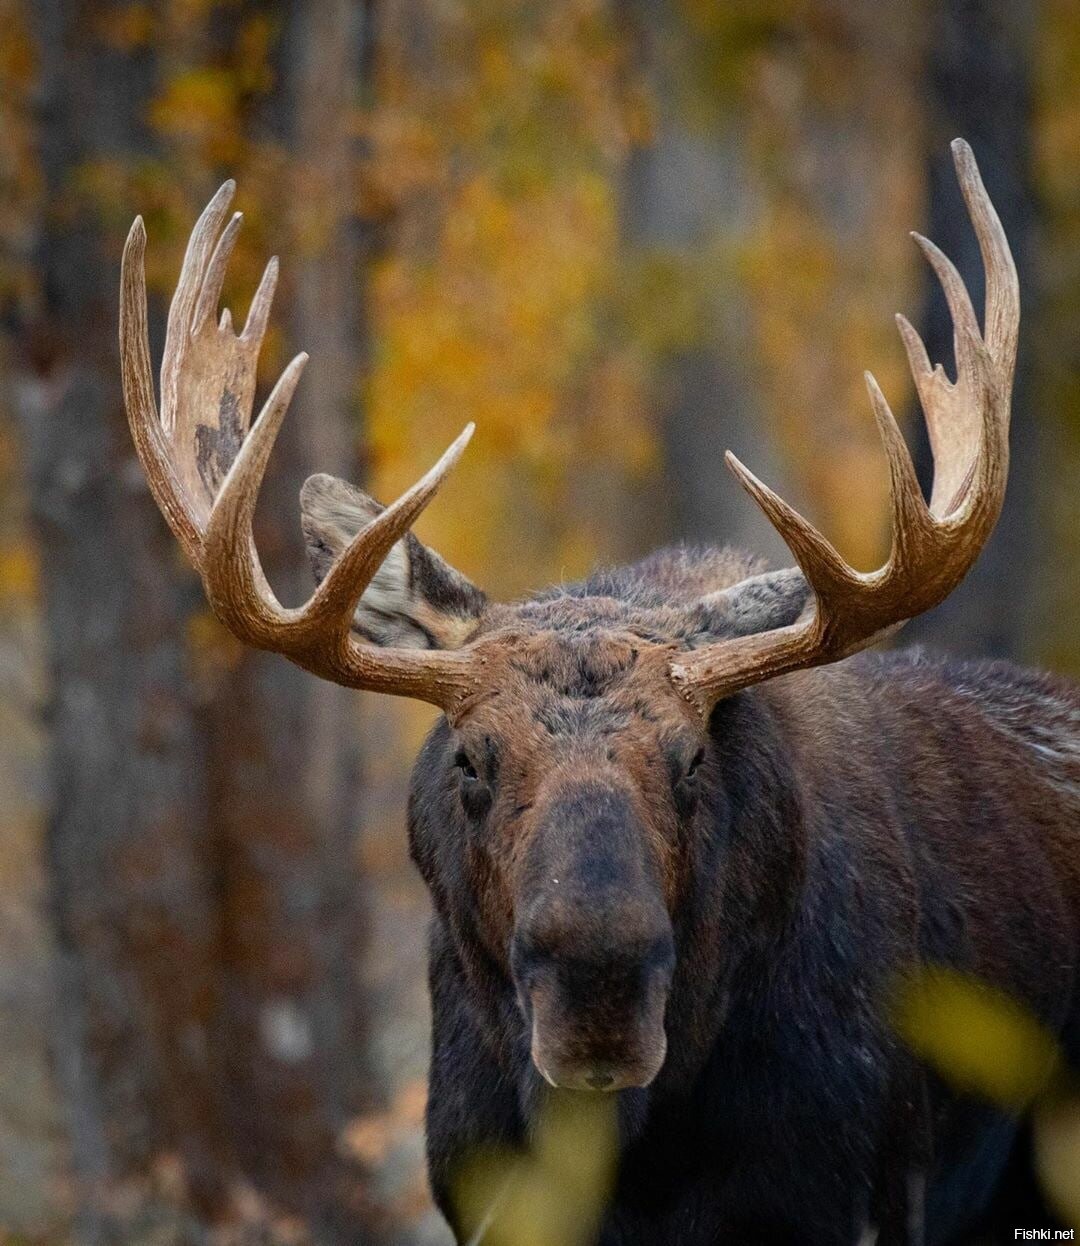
point(933, 545)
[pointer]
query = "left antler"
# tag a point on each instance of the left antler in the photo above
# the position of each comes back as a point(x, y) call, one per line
point(933, 546)
point(205, 468)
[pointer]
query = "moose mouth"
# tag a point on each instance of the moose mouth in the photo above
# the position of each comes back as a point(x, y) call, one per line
point(609, 1043)
point(596, 1073)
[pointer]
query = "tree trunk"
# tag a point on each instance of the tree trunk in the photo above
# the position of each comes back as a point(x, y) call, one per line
point(284, 794)
point(978, 82)
point(688, 191)
point(126, 843)
point(203, 867)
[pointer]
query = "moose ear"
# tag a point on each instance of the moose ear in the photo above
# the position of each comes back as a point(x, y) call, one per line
point(759, 603)
point(415, 599)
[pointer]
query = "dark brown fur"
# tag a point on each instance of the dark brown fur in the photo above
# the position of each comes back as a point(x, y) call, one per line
point(613, 876)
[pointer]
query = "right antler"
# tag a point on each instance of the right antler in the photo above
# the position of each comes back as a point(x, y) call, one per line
point(933, 546)
point(205, 473)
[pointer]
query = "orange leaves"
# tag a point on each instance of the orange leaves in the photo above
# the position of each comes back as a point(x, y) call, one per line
point(200, 105)
point(369, 1139)
point(385, 1145)
point(20, 178)
point(496, 156)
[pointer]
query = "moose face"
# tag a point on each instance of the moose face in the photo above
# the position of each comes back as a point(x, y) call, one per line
point(573, 785)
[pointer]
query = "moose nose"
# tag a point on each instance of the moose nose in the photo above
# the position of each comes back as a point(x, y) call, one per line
point(598, 1026)
point(592, 953)
point(621, 1072)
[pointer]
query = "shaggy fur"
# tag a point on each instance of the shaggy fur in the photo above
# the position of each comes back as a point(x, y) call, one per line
point(767, 877)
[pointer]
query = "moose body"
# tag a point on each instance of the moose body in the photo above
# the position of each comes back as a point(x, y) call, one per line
point(852, 822)
point(683, 846)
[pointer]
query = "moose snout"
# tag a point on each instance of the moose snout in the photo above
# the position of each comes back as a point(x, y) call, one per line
point(596, 1016)
point(593, 950)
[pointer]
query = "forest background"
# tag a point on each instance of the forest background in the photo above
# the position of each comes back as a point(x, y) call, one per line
point(621, 236)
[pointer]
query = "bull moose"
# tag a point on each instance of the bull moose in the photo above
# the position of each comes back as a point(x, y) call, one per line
point(680, 834)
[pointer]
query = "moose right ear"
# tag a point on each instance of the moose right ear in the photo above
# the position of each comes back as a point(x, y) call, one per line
point(415, 600)
point(760, 603)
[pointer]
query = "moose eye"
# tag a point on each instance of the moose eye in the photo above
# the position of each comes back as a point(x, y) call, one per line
point(474, 792)
point(686, 788)
point(462, 762)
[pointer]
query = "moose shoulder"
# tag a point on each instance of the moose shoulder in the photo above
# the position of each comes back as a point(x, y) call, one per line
point(682, 845)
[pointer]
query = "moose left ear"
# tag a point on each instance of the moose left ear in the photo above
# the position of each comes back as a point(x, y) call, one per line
point(415, 600)
point(759, 603)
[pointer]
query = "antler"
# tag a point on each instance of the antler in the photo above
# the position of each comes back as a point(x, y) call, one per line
point(933, 546)
point(205, 469)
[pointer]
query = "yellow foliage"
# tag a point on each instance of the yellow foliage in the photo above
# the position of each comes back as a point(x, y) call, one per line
point(977, 1037)
point(255, 46)
point(18, 571)
point(981, 1041)
point(200, 104)
point(556, 1193)
point(1057, 1154)
point(492, 306)
point(1056, 400)
point(833, 136)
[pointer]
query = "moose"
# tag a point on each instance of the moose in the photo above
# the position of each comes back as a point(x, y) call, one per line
point(681, 834)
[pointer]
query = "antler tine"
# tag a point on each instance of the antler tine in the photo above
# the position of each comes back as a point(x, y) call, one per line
point(933, 546)
point(997, 358)
point(1002, 311)
point(214, 277)
point(964, 444)
point(335, 600)
point(205, 470)
point(238, 589)
point(817, 557)
point(139, 401)
point(232, 573)
point(178, 328)
point(259, 312)
point(911, 520)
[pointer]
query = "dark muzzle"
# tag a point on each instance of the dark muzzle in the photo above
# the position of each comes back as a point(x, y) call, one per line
point(593, 950)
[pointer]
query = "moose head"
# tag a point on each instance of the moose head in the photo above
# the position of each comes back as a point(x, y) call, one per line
point(556, 799)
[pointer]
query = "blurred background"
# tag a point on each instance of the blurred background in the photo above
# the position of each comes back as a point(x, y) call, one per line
point(621, 236)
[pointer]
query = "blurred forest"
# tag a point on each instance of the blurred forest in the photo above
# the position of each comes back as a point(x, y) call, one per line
point(621, 236)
